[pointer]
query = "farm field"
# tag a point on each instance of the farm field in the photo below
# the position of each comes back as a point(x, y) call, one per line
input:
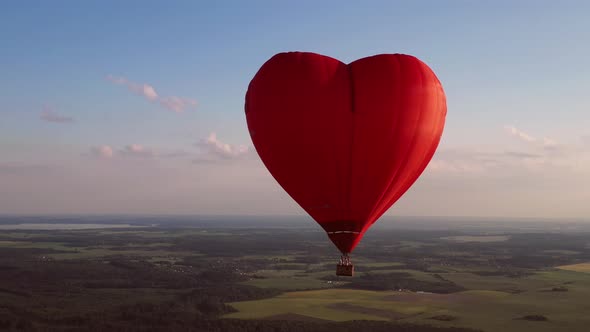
point(223, 277)
point(582, 267)
point(485, 309)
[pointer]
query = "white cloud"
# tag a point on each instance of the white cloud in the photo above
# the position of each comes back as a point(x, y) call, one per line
point(50, 115)
point(213, 149)
point(538, 155)
point(546, 143)
point(210, 150)
point(147, 91)
point(177, 104)
point(102, 151)
point(131, 150)
point(549, 143)
point(136, 150)
point(464, 161)
point(520, 134)
point(117, 79)
point(479, 180)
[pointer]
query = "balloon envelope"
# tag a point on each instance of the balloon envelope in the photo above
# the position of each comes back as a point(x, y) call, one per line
point(345, 141)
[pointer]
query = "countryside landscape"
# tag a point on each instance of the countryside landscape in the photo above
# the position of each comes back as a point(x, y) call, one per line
point(215, 166)
point(277, 274)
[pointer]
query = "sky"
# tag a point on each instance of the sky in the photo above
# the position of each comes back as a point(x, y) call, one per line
point(128, 107)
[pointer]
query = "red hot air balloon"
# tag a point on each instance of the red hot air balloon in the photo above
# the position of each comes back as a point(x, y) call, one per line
point(345, 141)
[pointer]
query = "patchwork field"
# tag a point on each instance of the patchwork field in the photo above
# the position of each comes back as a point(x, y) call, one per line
point(477, 238)
point(252, 278)
point(487, 309)
point(582, 267)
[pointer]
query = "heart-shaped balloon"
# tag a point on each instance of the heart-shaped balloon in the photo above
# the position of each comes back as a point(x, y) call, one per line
point(345, 141)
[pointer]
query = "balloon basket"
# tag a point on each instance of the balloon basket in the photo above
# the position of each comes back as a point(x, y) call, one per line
point(345, 267)
point(345, 270)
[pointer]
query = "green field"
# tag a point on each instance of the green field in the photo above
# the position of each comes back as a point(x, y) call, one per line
point(477, 238)
point(155, 251)
point(487, 308)
point(166, 276)
point(289, 283)
point(582, 267)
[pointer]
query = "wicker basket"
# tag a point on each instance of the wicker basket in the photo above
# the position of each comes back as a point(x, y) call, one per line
point(345, 270)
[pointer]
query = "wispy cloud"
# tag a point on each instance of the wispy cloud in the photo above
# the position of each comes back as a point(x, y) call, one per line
point(131, 150)
point(177, 104)
point(519, 133)
point(548, 142)
point(148, 92)
point(536, 155)
point(212, 149)
point(545, 142)
point(521, 155)
point(465, 161)
point(136, 150)
point(102, 151)
point(142, 89)
point(50, 115)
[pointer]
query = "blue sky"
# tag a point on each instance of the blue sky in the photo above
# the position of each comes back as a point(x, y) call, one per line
point(109, 107)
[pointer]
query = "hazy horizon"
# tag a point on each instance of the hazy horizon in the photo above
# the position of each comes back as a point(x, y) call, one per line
point(385, 219)
point(113, 108)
